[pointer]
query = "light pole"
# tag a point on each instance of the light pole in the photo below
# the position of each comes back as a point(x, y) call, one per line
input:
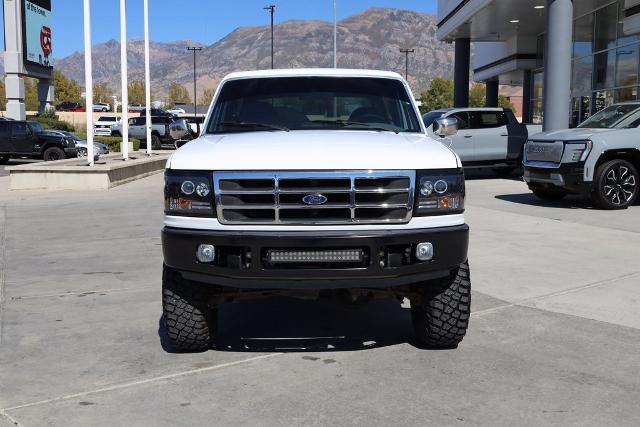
point(124, 81)
point(147, 78)
point(406, 62)
point(271, 8)
point(88, 79)
point(195, 49)
point(335, 35)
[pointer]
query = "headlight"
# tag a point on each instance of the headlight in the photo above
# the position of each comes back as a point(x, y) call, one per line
point(440, 192)
point(188, 193)
point(577, 151)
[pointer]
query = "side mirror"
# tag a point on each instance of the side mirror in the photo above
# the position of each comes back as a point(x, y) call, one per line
point(445, 126)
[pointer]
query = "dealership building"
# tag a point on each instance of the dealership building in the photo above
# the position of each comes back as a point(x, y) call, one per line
point(572, 58)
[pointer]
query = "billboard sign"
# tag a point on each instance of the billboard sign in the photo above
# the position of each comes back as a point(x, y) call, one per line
point(36, 28)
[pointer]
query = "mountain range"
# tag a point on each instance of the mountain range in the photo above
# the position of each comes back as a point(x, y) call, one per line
point(371, 39)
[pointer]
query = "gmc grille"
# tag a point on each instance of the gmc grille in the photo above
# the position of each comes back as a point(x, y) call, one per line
point(314, 197)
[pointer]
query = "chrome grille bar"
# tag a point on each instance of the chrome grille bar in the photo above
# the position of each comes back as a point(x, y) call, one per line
point(371, 197)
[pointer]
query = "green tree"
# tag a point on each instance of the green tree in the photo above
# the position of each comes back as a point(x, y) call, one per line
point(31, 94)
point(439, 95)
point(66, 89)
point(137, 92)
point(477, 95)
point(206, 97)
point(3, 97)
point(102, 93)
point(178, 94)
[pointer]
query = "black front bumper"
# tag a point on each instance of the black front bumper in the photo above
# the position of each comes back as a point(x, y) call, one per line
point(569, 177)
point(242, 257)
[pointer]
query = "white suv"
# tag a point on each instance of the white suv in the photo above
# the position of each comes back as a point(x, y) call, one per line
point(315, 183)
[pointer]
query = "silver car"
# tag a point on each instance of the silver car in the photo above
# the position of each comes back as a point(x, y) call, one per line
point(99, 148)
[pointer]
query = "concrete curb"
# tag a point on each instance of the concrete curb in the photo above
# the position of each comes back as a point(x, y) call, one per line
point(74, 174)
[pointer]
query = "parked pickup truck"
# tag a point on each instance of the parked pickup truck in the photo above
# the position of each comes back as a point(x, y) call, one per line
point(164, 130)
point(487, 136)
point(312, 184)
point(29, 139)
point(104, 125)
point(600, 158)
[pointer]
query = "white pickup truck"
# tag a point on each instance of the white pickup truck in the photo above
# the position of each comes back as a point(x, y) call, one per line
point(600, 158)
point(487, 136)
point(164, 130)
point(315, 183)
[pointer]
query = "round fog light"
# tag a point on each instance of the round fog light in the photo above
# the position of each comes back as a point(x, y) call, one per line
point(188, 188)
point(441, 187)
point(426, 189)
point(424, 251)
point(206, 253)
point(202, 190)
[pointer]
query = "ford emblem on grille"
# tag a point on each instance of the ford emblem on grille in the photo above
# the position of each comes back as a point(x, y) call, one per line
point(314, 199)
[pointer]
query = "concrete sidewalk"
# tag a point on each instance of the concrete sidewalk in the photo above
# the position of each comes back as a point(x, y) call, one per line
point(554, 338)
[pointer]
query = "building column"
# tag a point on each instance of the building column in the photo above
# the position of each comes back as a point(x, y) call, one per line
point(557, 64)
point(492, 87)
point(461, 73)
point(45, 94)
point(527, 90)
point(14, 90)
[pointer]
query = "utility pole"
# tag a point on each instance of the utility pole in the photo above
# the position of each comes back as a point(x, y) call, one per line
point(195, 49)
point(271, 8)
point(124, 81)
point(406, 61)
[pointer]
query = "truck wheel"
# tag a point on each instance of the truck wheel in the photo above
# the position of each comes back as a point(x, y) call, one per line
point(547, 194)
point(615, 185)
point(189, 321)
point(442, 321)
point(4, 160)
point(53, 153)
point(156, 144)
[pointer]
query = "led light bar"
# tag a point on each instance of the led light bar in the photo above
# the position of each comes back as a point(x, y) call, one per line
point(304, 256)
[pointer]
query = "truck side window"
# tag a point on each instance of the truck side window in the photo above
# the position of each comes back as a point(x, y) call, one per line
point(19, 130)
point(488, 120)
point(463, 120)
point(4, 130)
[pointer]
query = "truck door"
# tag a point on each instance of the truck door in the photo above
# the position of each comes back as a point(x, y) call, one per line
point(463, 143)
point(5, 137)
point(490, 135)
point(22, 138)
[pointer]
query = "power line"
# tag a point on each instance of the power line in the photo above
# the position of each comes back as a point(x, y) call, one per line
point(271, 8)
point(406, 61)
point(195, 49)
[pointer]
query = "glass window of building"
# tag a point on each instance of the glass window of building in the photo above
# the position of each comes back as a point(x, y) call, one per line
point(627, 68)
point(603, 69)
point(606, 27)
point(622, 38)
point(538, 84)
point(626, 94)
point(582, 75)
point(583, 36)
point(540, 51)
point(602, 99)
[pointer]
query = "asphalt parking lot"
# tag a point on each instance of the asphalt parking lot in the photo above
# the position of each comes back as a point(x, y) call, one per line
point(554, 337)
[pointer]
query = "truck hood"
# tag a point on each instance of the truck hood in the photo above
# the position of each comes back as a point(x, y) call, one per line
point(313, 150)
point(576, 134)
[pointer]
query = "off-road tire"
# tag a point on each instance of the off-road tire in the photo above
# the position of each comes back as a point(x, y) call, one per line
point(442, 321)
point(189, 321)
point(53, 153)
point(549, 195)
point(4, 160)
point(599, 195)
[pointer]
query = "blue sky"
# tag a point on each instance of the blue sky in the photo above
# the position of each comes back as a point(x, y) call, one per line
point(205, 21)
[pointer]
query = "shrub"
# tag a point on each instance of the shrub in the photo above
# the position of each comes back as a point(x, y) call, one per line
point(50, 120)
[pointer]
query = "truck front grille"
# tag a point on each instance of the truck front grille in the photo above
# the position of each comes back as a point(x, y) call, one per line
point(368, 197)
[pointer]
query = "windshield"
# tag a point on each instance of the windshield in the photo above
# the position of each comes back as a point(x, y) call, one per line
point(313, 103)
point(612, 117)
point(431, 117)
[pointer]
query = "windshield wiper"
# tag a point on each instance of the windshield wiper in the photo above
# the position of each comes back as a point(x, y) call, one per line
point(371, 126)
point(367, 126)
point(255, 125)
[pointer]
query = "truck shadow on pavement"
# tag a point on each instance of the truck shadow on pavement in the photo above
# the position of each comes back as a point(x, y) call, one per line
point(281, 324)
point(569, 202)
